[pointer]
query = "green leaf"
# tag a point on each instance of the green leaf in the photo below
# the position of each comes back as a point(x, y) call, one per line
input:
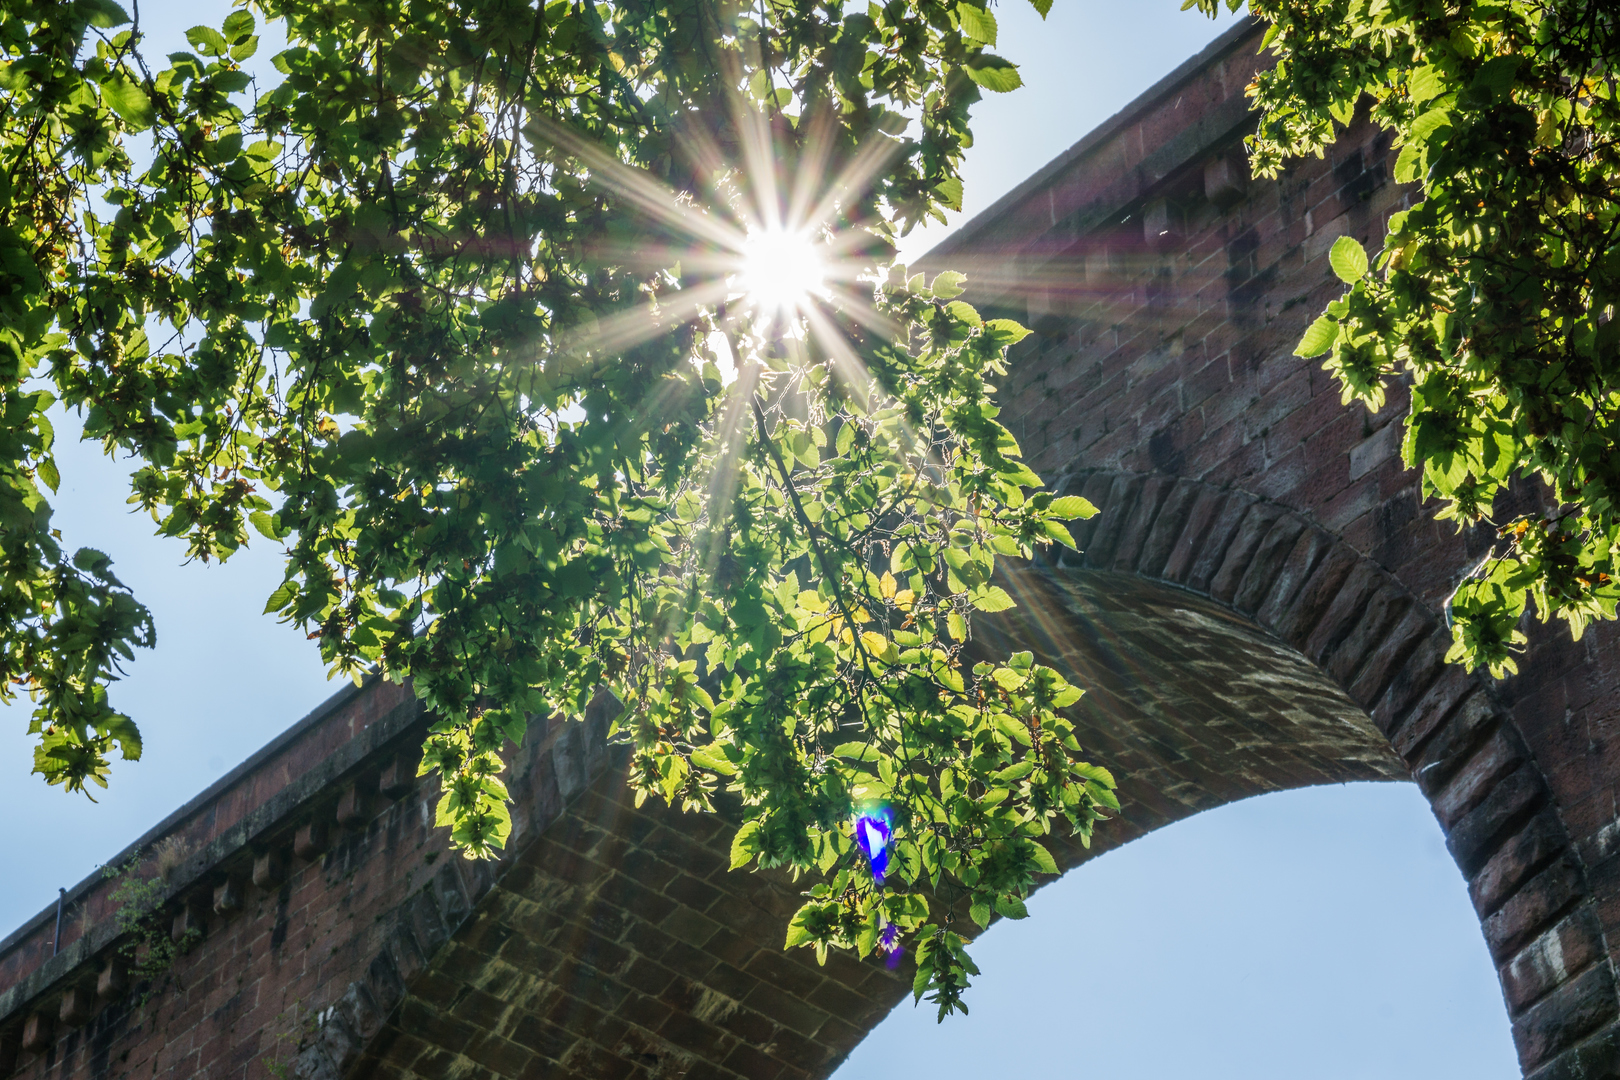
point(857, 751)
point(951, 192)
point(1319, 338)
point(122, 730)
point(1348, 259)
point(992, 598)
point(238, 26)
point(745, 845)
point(920, 981)
point(207, 40)
point(977, 23)
point(946, 284)
point(1496, 75)
point(1427, 124)
point(710, 757)
point(1011, 907)
point(1041, 6)
point(798, 933)
point(1003, 332)
point(47, 472)
point(265, 524)
point(994, 74)
point(1015, 772)
point(1424, 83)
point(1044, 863)
point(1409, 163)
point(128, 99)
point(103, 14)
point(281, 597)
point(1070, 507)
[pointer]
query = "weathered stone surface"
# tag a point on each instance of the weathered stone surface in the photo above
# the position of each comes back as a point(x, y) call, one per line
point(1534, 907)
point(1573, 1010)
point(1537, 843)
point(1551, 959)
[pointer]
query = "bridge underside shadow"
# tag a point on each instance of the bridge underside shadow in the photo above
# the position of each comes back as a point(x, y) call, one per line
point(618, 944)
point(1193, 705)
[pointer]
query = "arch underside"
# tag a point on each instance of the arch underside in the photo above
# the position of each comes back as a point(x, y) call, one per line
point(618, 944)
point(1193, 705)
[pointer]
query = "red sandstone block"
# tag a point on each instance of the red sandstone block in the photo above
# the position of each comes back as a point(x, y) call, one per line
point(1202, 384)
point(1574, 1009)
point(1115, 509)
point(1167, 527)
point(695, 859)
point(1272, 559)
point(1208, 508)
point(1240, 552)
point(1309, 549)
point(1551, 960)
point(1217, 537)
point(1481, 832)
point(1453, 741)
point(1416, 672)
point(1116, 447)
point(786, 1008)
point(1235, 404)
point(1313, 421)
point(1315, 615)
point(1241, 468)
point(1137, 527)
point(1389, 655)
point(1494, 759)
point(1285, 476)
point(1342, 609)
point(1278, 402)
point(1450, 690)
point(1354, 513)
point(745, 1060)
point(1523, 854)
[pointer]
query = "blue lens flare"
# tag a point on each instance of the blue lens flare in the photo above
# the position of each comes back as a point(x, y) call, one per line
point(874, 830)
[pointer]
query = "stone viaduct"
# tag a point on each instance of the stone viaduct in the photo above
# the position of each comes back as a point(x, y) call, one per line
point(1258, 608)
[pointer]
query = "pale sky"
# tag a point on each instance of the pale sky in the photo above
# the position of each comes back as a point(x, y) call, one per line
point(1313, 935)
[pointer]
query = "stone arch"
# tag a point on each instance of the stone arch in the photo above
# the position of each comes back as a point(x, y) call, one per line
point(1386, 706)
point(612, 940)
point(1229, 646)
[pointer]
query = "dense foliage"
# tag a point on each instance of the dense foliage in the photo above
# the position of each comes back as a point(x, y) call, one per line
point(445, 313)
point(1494, 295)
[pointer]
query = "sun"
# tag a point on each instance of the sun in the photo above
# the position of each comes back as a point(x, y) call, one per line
point(781, 270)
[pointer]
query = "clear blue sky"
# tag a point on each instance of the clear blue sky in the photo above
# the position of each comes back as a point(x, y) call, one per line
point(1312, 935)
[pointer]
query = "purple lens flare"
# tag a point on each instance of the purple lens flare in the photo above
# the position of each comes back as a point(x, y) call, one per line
point(889, 945)
point(874, 831)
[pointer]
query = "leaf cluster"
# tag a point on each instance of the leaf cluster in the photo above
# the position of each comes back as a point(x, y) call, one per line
point(438, 314)
point(804, 648)
point(1494, 295)
point(346, 313)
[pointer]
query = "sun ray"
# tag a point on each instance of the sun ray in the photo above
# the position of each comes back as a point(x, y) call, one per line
point(640, 324)
point(637, 186)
